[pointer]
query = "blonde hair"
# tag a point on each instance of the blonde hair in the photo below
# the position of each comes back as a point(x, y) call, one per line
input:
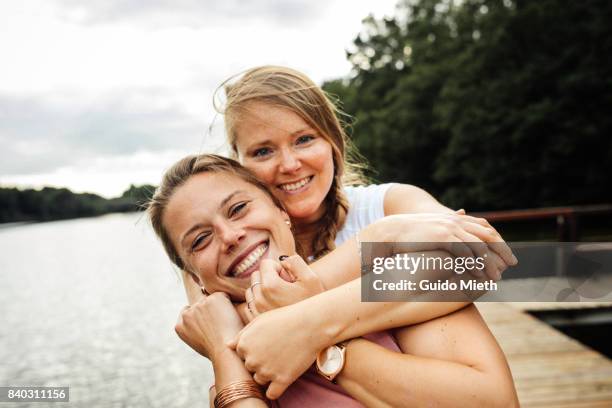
point(290, 89)
point(177, 175)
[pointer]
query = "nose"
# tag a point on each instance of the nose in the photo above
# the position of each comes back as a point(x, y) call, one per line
point(230, 236)
point(289, 161)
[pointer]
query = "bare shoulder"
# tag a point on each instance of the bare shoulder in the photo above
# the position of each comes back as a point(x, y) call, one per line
point(406, 199)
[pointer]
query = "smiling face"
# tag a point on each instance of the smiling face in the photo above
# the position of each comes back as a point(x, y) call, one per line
point(286, 153)
point(222, 226)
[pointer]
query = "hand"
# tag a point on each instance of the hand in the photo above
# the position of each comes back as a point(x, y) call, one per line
point(460, 235)
point(257, 345)
point(207, 325)
point(269, 290)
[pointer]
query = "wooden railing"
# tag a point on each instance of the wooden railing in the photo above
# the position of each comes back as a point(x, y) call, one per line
point(566, 217)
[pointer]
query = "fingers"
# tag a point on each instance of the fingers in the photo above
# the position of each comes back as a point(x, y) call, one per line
point(270, 269)
point(459, 249)
point(251, 308)
point(297, 267)
point(260, 379)
point(275, 390)
point(483, 230)
point(476, 245)
point(494, 266)
point(257, 281)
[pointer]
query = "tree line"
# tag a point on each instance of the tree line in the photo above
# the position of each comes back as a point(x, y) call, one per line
point(51, 203)
point(488, 104)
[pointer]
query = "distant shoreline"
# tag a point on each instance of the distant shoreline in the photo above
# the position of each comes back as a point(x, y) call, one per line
point(52, 204)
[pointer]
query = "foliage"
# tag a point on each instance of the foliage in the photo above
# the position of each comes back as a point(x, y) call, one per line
point(60, 203)
point(488, 104)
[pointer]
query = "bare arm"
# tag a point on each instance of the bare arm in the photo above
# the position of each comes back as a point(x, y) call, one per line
point(207, 326)
point(409, 199)
point(449, 359)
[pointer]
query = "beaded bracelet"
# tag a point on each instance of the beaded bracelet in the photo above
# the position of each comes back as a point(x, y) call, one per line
point(236, 391)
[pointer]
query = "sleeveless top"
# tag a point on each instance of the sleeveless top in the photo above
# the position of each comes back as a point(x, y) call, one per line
point(366, 205)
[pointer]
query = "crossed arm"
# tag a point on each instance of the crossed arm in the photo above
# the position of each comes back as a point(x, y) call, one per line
point(473, 370)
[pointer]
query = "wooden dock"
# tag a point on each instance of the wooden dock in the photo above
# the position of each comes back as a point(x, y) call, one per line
point(549, 368)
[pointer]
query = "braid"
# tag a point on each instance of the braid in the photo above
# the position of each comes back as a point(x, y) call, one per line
point(336, 208)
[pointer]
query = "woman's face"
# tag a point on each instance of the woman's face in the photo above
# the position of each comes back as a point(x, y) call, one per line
point(287, 154)
point(222, 226)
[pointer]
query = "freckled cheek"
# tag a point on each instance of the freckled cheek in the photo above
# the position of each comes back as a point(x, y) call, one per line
point(265, 172)
point(323, 164)
point(321, 159)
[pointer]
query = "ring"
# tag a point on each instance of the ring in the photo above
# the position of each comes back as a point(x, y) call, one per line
point(255, 284)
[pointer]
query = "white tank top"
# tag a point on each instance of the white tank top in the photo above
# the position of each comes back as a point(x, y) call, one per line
point(366, 205)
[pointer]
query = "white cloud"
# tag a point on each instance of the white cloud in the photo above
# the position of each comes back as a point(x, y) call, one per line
point(81, 81)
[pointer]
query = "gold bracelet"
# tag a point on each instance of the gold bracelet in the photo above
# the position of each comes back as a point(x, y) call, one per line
point(236, 391)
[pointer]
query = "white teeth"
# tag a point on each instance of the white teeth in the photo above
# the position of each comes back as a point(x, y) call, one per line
point(250, 260)
point(296, 185)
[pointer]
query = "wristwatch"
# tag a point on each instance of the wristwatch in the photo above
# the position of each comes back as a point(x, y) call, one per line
point(330, 360)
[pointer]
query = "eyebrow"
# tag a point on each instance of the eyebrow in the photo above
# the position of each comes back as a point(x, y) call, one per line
point(199, 225)
point(267, 141)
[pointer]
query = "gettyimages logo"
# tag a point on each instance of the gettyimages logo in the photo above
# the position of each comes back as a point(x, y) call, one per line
point(546, 272)
point(411, 263)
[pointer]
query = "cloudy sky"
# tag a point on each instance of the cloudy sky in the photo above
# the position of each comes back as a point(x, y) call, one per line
point(95, 95)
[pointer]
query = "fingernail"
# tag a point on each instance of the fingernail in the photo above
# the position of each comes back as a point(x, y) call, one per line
point(514, 259)
point(282, 257)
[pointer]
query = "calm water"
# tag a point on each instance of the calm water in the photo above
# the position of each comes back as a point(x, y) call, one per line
point(91, 304)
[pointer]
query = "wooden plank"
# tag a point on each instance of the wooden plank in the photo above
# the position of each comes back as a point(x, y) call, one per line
point(549, 368)
point(540, 306)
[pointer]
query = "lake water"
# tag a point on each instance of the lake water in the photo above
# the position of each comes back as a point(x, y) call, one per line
point(91, 304)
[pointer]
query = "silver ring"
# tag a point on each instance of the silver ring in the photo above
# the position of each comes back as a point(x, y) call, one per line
point(255, 284)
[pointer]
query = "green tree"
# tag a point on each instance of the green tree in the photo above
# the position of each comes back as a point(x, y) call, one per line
point(488, 104)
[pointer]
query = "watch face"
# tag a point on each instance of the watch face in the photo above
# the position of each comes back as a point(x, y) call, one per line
point(331, 360)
